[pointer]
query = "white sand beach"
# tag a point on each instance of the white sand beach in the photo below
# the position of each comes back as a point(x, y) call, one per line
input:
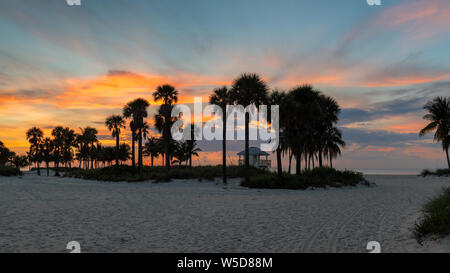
point(42, 214)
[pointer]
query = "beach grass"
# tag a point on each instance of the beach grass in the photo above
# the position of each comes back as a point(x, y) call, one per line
point(436, 220)
point(9, 171)
point(315, 178)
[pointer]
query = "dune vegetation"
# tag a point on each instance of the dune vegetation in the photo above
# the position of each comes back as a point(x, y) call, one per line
point(436, 219)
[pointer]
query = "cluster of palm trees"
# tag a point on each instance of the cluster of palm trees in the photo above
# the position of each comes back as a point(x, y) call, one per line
point(61, 146)
point(136, 111)
point(308, 120)
point(308, 130)
point(438, 115)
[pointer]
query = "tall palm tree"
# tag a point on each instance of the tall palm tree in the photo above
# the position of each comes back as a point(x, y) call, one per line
point(169, 96)
point(222, 97)
point(34, 136)
point(115, 123)
point(438, 113)
point(137, 109)
point(246, 90)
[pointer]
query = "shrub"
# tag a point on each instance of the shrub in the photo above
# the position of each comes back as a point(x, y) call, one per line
point(9, 171)
point(436, 220)
point(158, 174)
point(315, 178)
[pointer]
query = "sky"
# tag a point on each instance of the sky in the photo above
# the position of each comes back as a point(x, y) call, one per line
point(75, 65)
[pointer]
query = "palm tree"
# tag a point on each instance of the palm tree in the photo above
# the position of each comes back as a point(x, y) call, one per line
point(169, 96)
point(34, 136)
point(333, 144)
point(19, 161)
point(133, 139)
point(248, 89)
point(222, 97)
point(152, 148)
point(114, 124)
point(58, 140)
point(278, 98)
point(438, 113)
point(68, 142)
point(47, 152)
point(5, 154)
point(137, 109)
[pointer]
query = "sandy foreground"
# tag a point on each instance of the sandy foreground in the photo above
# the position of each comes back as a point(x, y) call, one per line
point(42, 214)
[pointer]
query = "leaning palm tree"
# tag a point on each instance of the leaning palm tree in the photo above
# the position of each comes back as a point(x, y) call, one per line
point(221, 97)
point(34, 136)
point(169, 96)
point(114, 124)
point(438, 113)
point(248, 89)
point(137, 109)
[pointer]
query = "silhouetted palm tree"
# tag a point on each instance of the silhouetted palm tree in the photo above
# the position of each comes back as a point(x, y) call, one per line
point(278, 98)
point(34, 136)
point(169, 96)
point(58, 140)
point(19, 161)
point(5, 154)
point(438, 113)
point(69, 142)
point(152, 148)
point(133, 140)
point(333, 144)
point(137, 109)
point(248, 89)
point(222, 97)
point(115, 123)
point(47, 152)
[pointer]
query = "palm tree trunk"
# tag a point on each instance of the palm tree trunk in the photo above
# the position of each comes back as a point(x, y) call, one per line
point(224, 147)
point(38, 169)
point(331, 162)
point(48, 171)
point(151, 159)
point(140, 151)
point(279, 166)
point(247, 158)
point(448, 159)
point(290, 161)
point(298, 160)
point(133, 161)
point(320, 157)
point(117, 149)
point(166, 145)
